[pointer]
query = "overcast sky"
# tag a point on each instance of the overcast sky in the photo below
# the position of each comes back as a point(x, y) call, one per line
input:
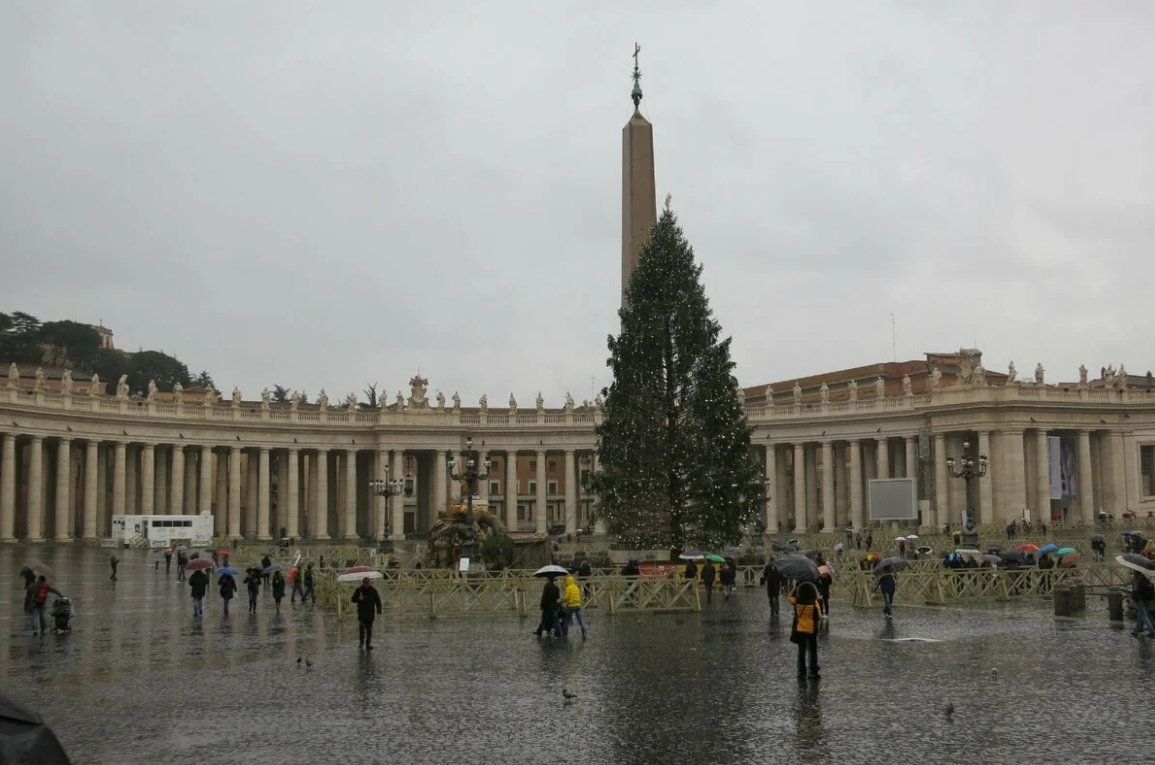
point(329, 194)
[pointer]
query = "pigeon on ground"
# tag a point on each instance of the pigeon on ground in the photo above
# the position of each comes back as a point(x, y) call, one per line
point(567, 695)
point(308, 663)
point(948, 710)
point(298, 659)
point(994, 673)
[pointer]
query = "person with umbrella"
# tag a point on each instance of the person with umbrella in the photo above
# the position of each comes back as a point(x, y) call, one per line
point(228, 588)
point(550, 596)
point(36, 600)
point(887, 585)
point(181, 562)
point(167, 561)
point(28, 575)
point(824, 582)
point(773, 581)
point(296, 578)
point(278, 588)
point(1142, 593)
point(368, 602)
point(1098, 547)
point(198, 582)
point(709, 573)
point(253, 585)
point(807, 615)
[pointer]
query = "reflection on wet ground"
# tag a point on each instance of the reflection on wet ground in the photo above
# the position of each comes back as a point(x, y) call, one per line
point(141, 681)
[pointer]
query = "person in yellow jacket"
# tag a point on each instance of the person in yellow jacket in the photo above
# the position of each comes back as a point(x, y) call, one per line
point(807, 615)
point(571, 600)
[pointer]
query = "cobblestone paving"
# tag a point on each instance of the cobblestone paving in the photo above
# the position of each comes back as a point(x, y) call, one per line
point(139, 681)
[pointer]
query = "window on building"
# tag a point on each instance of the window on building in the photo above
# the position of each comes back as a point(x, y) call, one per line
point(522, 513)
point(533, 464)
point(495, 487)
point(552, 466)
point(551, 487)
point(1147, 469)
point(533, 487)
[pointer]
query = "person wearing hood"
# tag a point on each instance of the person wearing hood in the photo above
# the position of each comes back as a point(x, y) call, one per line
point(199, 582)
point(228, 590)
point(709, 574)
point(368, 602)
point(807, 616)
point(35, 602)
point(550, 597)
point(773, 581)
point(572, 599)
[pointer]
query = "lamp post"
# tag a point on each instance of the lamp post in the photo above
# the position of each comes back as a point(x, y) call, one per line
point(383, 487)
point(471, 475)
point(967, 470)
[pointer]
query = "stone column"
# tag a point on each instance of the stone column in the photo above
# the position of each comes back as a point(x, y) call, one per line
point(857, 517)
point(319, 520)
point(91, 484)
point(511, 490)
point(176, 499)
point(1118, 473)
point(812, 509)
point(397, 522)
point(571, 502)
point(827, 486)
point(483, 485)
point(883, 457)
point(103, 525)
point(1042, 479)
point(249, 524)
point(36, 490)
point(912, 457)
point(455, 492)
point(63, 486)
point(1086, 492)
point(120, 479)
point(160, 490)
point(986, 508)
point(380, 504)
point(799, 488)
point(841, 487)
point(350, 494)
point(541, 523)
point(941, 485)
point(8, 488)
point(1015, 473)
point(189, 506)
point(221, 509)
point(234, 487)
point(131, 484)
point(263, 495)
point(782, 490)
point(205, 498)
point(771, 517)
point(291, 498)
point(147, 478)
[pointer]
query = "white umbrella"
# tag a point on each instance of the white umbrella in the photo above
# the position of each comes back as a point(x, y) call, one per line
point(550, 570)
point(691, 555)
point(913, 536)
point(900, 539)
point(357, 576)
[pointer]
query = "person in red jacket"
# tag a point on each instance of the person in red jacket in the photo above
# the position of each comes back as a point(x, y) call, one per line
point(35, 601)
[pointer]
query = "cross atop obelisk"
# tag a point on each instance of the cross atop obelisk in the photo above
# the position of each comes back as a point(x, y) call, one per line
point(639, 203)
point(636, 95)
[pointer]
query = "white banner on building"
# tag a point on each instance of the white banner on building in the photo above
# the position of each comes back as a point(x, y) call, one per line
point(1055, 465)
point(1070, 471)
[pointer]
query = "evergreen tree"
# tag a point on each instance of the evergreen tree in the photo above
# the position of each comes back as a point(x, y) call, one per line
point(674, 447)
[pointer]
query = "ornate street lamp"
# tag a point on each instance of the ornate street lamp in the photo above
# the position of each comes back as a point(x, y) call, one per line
point(471, 475)
point(383, 487)
point(967, 470)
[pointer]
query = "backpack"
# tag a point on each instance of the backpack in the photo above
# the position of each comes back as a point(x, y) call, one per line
point(1146, 590)
point(41, 594)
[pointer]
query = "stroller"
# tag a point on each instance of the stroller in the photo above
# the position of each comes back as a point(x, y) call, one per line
point(62, 614)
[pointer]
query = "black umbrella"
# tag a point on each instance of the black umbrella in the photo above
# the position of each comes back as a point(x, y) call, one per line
point(25, 738)
point(1136, 561)
point(797, 567)
point(1097, 537)
point(890, 565)
point(1010, 555)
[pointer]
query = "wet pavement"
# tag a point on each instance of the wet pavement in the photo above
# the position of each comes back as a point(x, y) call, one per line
point(140, 681)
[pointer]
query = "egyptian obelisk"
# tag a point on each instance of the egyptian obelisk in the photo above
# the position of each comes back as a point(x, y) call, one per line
point(639, 198)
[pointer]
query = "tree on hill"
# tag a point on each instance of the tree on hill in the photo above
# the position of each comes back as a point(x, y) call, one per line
point(204, 380)
point(20, 341)
point(371, 397)
point(280, 394)
point(141, 367)
point(72, 343)
point(674, 446)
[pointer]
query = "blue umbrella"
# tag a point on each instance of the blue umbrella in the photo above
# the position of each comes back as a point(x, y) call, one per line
point(226, 570)
point(1048, 548)
point(274, 567)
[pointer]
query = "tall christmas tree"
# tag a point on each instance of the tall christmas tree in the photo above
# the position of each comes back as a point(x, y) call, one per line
point(674, 447)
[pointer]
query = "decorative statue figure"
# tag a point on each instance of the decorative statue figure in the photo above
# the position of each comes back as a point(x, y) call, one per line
point(417, 397)
point(66, 382)
point(94, 388)
point(456, 401)
point(966, 360)
point(400, 401)
point(351, 401)
point(210, 397)
point(440, 401)
point(1012, 373)
point(568, 402)
point(769, 395)
point(907, 389)
point(323, 400)
point(39, 379)
point(151, 390)
point(540, 403)
point(980, 375)
point(935, 379)
point(236, 396)
point(741, 397)
point(1122, 378)
point(512, 404)
point(178, 392)
point(824, 393)
point(266, 396)
point(1082, 375)
point(598, 403)
point(797, 393)
point(880, 388)
point(122, 387)
point(852, 390)
point(483, 403)
point(13, 375)
point(294, 401)
point(1040, 379)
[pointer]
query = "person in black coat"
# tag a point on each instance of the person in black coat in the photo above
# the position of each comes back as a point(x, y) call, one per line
point(199, 583)
point(709, 574)
point(228, 590)
point(368, 602)
point(823, 586)
point(550, 595)
point(773, 581)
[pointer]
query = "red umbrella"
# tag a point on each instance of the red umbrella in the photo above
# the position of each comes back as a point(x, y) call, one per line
point(198, 563)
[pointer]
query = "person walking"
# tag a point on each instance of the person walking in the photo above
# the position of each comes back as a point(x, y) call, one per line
point(869, 539)
point(887, 586)
point(199, 584)
point(773, 581)
point(807, 615)
point(167, 561)
point(726, 577)
point(823, 586)
point(708, 576)
point(278, 589)
point(228, 589)
point(572, 599)
point(1142, 593)
point(296, 578)
point(265, 563)
point(691, 570)
point(310, 582)
point(585, 571)
point(181, 562)
point(550, 596)
point(368, 602)
point(114, 561)
point(253, 584)
point(35, 602)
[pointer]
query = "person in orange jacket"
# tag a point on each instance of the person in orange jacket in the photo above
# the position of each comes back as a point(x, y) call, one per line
point(807, 615)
